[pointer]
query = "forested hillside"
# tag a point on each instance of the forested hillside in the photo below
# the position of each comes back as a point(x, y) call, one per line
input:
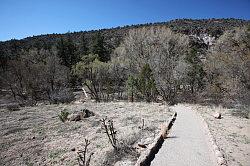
point(182, 60)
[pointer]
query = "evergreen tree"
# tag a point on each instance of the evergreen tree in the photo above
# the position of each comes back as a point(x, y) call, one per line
point(131, 88)
point(67, 52)
point(146, 83)
point(195, 73)
point(83, 48)
point(99, 48)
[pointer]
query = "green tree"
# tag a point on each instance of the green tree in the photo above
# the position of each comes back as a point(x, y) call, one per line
point(146, 83)
point(99, 49)
point(131, 87)
point(195, 74)
point(94, 74)
point(83, 48)
point(67, 52)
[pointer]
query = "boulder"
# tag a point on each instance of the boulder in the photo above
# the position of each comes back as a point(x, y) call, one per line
point(85, 113)
point(217, 115)
point(75, 117)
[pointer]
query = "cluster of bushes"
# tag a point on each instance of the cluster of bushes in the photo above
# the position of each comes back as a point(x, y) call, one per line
point(151, 63)
point(166, 64)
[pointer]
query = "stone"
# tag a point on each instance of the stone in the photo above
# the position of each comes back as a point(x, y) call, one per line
point(124, 163)
point(221, 161)
point(80, 115)
point(218, 153)
point(74, 117)
point(217, 115)
point(142, 145)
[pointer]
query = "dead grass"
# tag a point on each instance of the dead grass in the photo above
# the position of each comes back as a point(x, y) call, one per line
point(232, 134)
point(36, 136)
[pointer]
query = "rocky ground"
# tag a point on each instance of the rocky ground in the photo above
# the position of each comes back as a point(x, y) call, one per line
point(231, 133)
point(36, 136)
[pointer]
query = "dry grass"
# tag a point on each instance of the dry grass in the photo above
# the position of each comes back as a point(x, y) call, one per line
point(36, 136)
point(232, 134)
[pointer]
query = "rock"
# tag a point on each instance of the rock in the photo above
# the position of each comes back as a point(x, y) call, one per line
point(142, 145)
point(221, 161)
point(86, 113)
point(215, 147)
point(124, 163)
point(74, 117)
point(164, 131)
point(218, 154)
point(80, 115)
point(73, 149)
point(217, 115)
point(13, 107)
point(146, 141)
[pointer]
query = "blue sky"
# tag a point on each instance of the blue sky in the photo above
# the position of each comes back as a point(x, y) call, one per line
point(22, 18)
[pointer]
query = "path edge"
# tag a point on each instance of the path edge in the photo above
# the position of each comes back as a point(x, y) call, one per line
point(147, 156)
point(220, 157)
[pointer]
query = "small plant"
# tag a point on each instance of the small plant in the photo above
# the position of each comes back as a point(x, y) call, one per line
point(143, 124)
point(110, 131)
point(82, 155)
point(63, 116)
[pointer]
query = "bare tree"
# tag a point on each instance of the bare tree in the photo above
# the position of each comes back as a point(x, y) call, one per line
point(161, 49)
point(228, 67)
point(36, 75)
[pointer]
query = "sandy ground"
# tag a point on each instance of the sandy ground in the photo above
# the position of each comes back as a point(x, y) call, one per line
point(187, 143)
point(36, 136)
point(231, 133)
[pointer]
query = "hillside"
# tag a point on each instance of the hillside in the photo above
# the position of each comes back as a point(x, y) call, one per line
point(176, 58)
point(113, 36)
point(99, 97)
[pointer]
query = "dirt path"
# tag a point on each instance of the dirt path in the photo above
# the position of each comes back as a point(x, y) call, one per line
point(187, 144)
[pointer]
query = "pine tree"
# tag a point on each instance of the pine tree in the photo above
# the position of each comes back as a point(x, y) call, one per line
point(195, 73)
point(83, 49)
point(146, 83)
point(67, 52)
point(99, 48)
point(131, 88)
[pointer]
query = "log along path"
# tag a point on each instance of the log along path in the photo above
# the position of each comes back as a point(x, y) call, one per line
point(187, 144)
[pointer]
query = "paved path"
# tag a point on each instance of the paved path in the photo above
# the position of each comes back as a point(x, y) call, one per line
point(188, 144)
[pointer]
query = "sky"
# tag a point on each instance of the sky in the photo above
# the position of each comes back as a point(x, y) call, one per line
point(23, 18)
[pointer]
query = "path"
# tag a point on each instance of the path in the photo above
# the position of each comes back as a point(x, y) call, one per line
point(187, 144)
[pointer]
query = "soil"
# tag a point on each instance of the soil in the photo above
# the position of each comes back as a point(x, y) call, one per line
point(231, 133)
point(36, 136)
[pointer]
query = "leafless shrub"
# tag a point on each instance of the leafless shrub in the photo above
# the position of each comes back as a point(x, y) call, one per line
point(62, 96)
point(124, 150)
point(110, 131)
point(142, 126)
point(243, 112)
point(82, 159)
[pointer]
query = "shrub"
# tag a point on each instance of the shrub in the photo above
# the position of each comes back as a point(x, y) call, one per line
point(82, 159)
point(110, 131)
point(243, 112)
point(62, 96)
point(64, 115)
